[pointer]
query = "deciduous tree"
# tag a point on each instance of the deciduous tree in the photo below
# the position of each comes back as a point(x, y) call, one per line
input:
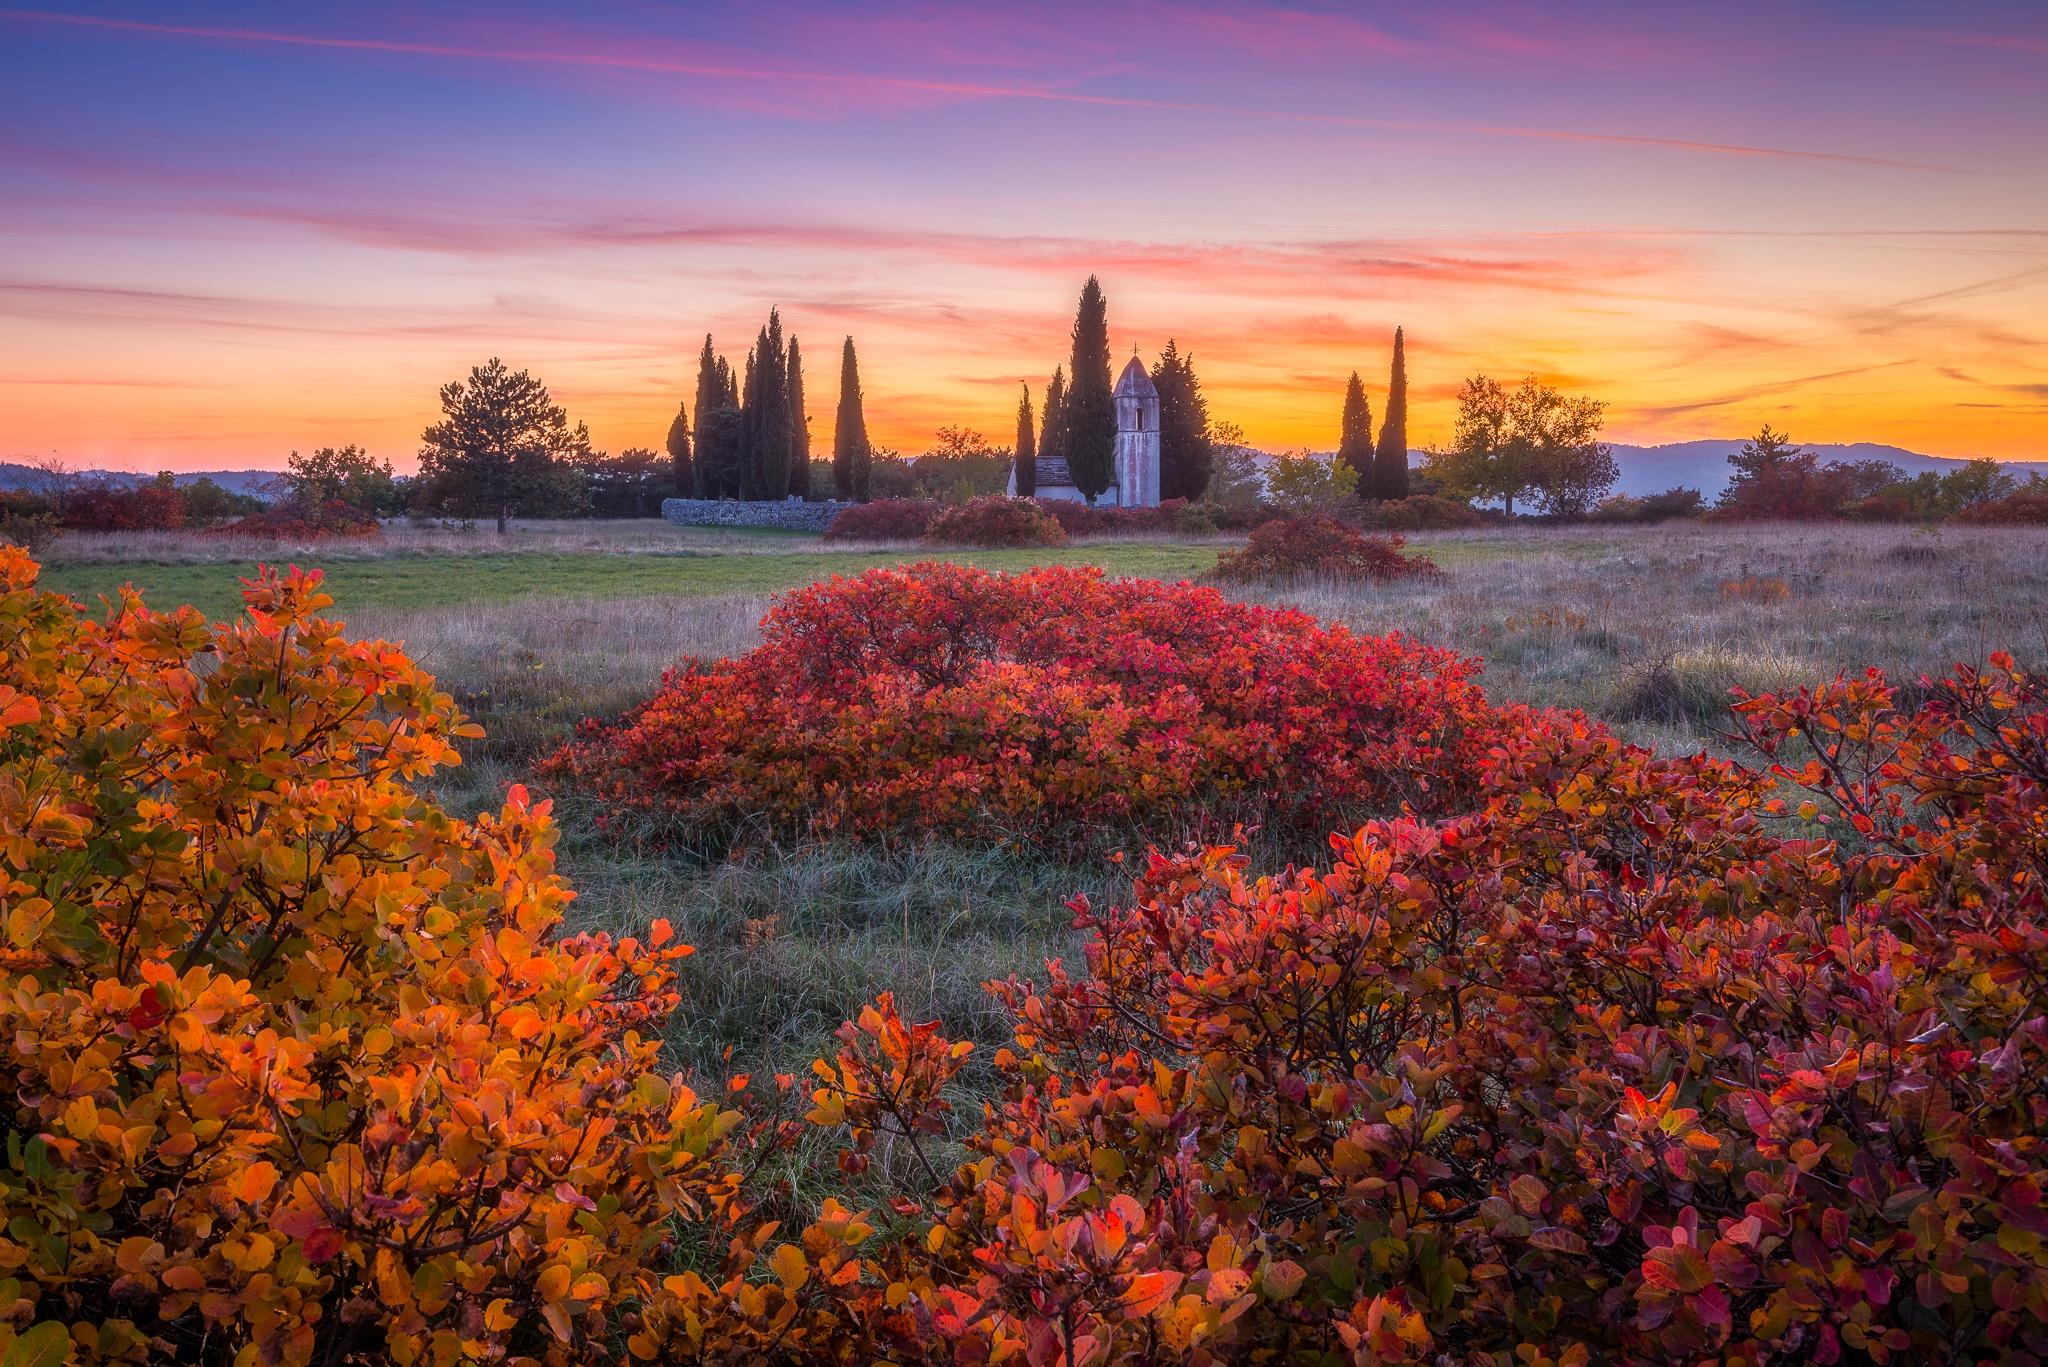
point(1527, 441)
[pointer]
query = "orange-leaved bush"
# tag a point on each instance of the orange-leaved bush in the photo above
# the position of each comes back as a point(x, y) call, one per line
point(300, 1068)
point(1321, 545)
point(941, 698)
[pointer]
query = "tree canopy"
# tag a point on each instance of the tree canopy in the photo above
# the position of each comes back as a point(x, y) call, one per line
point(1527, 442)
point(1186, 460)
point(503, 446)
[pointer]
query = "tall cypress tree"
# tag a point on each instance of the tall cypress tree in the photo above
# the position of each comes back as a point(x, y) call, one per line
point(749, 465)
point(713, 456)
point(851, 455)
point(1185, 457)
point(799, 428)
point(1354, 440)
point(1027, 449)
point(765, 409)
point(1052, 423)
point(1090, 408)
point(679, 452)
point(1390, 461)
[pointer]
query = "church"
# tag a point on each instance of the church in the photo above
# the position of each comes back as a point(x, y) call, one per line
point(1137, 450)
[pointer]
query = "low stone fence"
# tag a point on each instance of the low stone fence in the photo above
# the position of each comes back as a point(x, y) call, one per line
point(794, 514)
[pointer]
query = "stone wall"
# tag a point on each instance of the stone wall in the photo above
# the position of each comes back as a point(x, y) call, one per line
point(793, 514)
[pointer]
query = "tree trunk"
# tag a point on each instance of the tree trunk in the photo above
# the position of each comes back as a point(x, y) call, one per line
point(504, 512)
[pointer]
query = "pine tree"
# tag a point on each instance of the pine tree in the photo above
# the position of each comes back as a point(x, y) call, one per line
point(503, 445)
point(1027, 449)
point(1186, 458)
point(1090, 408)
point(1354, 441)
point(679, 452)
point(1052, 424)
point(1390, 461)
point(851, 455)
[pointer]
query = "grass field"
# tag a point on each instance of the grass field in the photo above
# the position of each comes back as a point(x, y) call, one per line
point(1645, 628)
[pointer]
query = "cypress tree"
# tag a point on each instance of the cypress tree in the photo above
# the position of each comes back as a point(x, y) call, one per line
point(1354, 441)
point(748, 466)
point(1090, 408)
point(679, 452)
point(1052, 424)
point(1185, 456)
point(799, 428)
point(850, 452)
point(1027, 449)
point(1390, 461)
point(765, 472)
point(714, 377)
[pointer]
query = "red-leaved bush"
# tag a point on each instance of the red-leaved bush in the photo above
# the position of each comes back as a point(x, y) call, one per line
point(886, 519)
point(2020, 510)
point(304, 520)
point(995, 520)
point(940, 698)
point(1604, 1071)
point(1081, 519)
point(1320, 545)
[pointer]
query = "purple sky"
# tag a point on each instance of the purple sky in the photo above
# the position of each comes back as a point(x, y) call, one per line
point(235, 230)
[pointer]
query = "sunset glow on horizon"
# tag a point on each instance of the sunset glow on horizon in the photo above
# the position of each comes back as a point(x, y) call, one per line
point(232, 231)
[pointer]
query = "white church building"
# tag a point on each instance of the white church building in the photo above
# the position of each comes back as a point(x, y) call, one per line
point(1137, 450)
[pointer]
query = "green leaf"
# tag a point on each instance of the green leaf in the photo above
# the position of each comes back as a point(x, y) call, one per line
point(45, 1345)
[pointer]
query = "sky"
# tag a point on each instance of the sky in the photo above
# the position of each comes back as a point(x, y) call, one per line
point(229, 231)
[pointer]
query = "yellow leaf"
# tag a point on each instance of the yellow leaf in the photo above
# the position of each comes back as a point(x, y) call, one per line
point(498, 1318)
point(82, 1118)
point(553, 1283)
point(787, 1263)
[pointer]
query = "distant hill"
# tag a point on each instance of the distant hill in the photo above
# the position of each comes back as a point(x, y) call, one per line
point(1703, 465)
point(17, 476)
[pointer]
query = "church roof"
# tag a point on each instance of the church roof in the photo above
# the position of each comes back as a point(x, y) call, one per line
point(1134, 380)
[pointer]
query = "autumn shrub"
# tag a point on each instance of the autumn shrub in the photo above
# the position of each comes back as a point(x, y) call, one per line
point(1626, 1059)
point(886, 519)
point(994, 520)
point(1050, 703)
point(105, 507)
point(2019, 510)
point(300, 1068)
point(1323, 546)
point(1613, 1069)
point(1419, 512)
point(304, 520)
point(1082, 519)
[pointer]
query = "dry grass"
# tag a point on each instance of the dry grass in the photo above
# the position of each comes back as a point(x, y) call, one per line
point(630, 536)
point(1649, 627)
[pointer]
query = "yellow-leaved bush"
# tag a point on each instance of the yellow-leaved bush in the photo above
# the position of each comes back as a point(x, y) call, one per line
point(299, 1067)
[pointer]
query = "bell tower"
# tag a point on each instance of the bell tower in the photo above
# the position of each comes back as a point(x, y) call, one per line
point(1137, 437)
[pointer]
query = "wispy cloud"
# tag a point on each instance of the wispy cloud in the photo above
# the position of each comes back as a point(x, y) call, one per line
point(952, 89)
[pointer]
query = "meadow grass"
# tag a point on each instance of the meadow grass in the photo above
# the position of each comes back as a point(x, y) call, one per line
point(1645, 628)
